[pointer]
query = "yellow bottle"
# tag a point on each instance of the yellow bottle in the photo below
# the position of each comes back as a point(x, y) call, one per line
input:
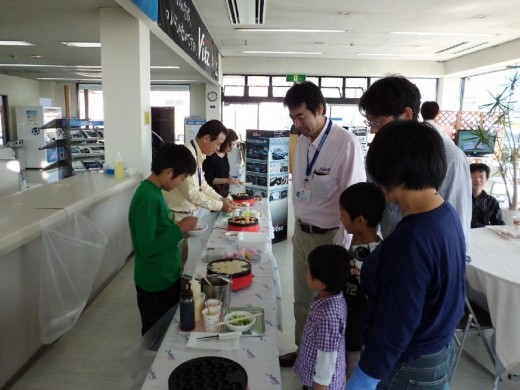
point(119, 167)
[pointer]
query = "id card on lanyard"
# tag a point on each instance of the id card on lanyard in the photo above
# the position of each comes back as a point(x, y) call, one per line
point(303, 194)
point(199, 169)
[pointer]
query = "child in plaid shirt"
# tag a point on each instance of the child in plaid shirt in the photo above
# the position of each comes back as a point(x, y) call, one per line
point(321, 358)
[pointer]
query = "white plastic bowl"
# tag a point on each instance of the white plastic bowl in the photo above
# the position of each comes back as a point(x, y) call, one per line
point(199, 230)
point(231, 236)
point(234, 326)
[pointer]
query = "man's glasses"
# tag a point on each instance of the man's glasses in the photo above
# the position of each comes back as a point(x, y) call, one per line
point(373, 123)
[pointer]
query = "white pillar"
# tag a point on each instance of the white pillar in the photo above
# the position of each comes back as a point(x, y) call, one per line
point(213, 109)
point(125, 61)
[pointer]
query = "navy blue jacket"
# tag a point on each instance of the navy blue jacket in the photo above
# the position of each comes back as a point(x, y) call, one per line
point(414, 281)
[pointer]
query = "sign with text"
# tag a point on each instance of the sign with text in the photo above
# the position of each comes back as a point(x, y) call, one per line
point(181, 21)
point(297, 78)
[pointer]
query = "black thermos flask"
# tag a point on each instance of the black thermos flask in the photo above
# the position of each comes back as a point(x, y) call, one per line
point(187, 308)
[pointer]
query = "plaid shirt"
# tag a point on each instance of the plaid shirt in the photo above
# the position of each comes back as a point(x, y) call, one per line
point(325, 331)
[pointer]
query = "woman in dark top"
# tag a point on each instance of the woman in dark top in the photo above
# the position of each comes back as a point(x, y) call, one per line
point(216, 166)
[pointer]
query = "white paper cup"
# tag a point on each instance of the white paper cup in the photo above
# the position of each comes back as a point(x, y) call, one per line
point(214, 306)
point(210, 320)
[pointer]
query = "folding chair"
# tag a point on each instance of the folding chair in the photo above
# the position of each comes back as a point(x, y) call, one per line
point(477, 320)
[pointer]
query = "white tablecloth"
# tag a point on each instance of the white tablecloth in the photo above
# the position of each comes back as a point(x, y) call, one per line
point(258, 355)
point(495, 271)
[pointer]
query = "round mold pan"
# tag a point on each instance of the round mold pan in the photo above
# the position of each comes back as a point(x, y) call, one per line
point(240, 280)
point(208, 372)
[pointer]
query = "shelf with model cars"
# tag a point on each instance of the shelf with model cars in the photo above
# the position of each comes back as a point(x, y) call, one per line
point(80, 145)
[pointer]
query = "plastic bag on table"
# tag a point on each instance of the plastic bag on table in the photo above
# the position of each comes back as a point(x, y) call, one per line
point(69, 264)
point(139, 358)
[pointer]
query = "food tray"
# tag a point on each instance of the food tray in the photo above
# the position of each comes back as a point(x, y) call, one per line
point(258, 328)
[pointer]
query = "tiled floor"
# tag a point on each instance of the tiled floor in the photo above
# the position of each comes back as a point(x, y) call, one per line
point(89, 356)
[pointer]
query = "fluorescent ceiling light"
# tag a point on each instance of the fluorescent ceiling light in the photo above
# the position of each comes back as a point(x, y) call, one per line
point(164, 67)
point(281, 52)
point(15, 43)
point(442, 34)
point(297, 30)
point(62, 79)
point(49, 66)
point(82, 44)
point(176, 81)
point(392, 55)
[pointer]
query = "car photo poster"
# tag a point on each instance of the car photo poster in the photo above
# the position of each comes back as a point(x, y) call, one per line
point(267, 173)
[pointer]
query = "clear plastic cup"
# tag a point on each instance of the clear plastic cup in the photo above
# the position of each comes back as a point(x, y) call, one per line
point(210, 320)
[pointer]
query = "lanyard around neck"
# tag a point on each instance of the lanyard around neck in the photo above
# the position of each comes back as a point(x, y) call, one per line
point(199, 169)
point(311, 165)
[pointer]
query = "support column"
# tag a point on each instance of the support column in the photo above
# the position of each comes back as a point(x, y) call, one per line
point(125, 61)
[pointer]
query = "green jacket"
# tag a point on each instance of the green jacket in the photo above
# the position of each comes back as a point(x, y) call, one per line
point(155, 238)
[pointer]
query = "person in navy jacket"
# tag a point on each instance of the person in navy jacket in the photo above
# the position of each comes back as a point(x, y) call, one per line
point(414, 280)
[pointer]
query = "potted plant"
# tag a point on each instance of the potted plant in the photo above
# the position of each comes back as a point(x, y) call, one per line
point(500, 112)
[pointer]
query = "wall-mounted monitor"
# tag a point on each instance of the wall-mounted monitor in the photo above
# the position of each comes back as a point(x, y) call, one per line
point(473, 143)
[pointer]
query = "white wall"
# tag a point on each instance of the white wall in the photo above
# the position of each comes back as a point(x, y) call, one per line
point(25, 92)
point(329, 67)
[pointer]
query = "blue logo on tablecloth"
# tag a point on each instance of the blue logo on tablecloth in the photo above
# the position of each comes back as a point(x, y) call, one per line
point(274, 380)
point(151, 374)
point(249, 353)
point(171, 355)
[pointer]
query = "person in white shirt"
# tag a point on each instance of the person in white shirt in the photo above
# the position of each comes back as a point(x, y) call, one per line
point(328, 159)
point(396, 97)
point(195, 192)
point(429, 110)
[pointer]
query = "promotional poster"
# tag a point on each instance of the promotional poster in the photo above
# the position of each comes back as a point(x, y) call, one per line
point(267, 173)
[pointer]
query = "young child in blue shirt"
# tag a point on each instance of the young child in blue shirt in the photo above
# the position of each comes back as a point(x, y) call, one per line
point(321, 359)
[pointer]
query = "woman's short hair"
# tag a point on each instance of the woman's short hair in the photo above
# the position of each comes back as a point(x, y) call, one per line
point(306, 92)
point(409, 154)
point(231, 136)
point(363, 199)
point(329, 264)
point(213, 128)
point(174, 156)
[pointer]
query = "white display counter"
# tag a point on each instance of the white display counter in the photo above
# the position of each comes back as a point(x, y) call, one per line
point(23, 216)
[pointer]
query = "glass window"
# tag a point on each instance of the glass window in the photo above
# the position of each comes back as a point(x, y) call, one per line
point(280, 91)
point(274, 116)
point(332, 82)
point(234, 85)
point(258, 85)
point(355, 87)
point(427, 87)
point(280, 81)
point(240, 117)
point(314, 80)
point(331, 87)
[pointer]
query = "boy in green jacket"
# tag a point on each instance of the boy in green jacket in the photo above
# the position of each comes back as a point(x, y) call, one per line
point(155, 237)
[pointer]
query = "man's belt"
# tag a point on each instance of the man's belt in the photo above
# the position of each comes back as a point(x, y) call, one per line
point(314, 229)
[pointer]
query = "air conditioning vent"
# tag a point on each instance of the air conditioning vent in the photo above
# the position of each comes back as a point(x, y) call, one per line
point(451, 47)
point(250, 12)
point(471, 47)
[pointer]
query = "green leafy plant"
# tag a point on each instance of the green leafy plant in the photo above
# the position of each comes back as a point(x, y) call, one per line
point(507, 148)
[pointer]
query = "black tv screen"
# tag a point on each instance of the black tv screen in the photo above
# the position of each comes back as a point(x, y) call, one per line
point(473, 144)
